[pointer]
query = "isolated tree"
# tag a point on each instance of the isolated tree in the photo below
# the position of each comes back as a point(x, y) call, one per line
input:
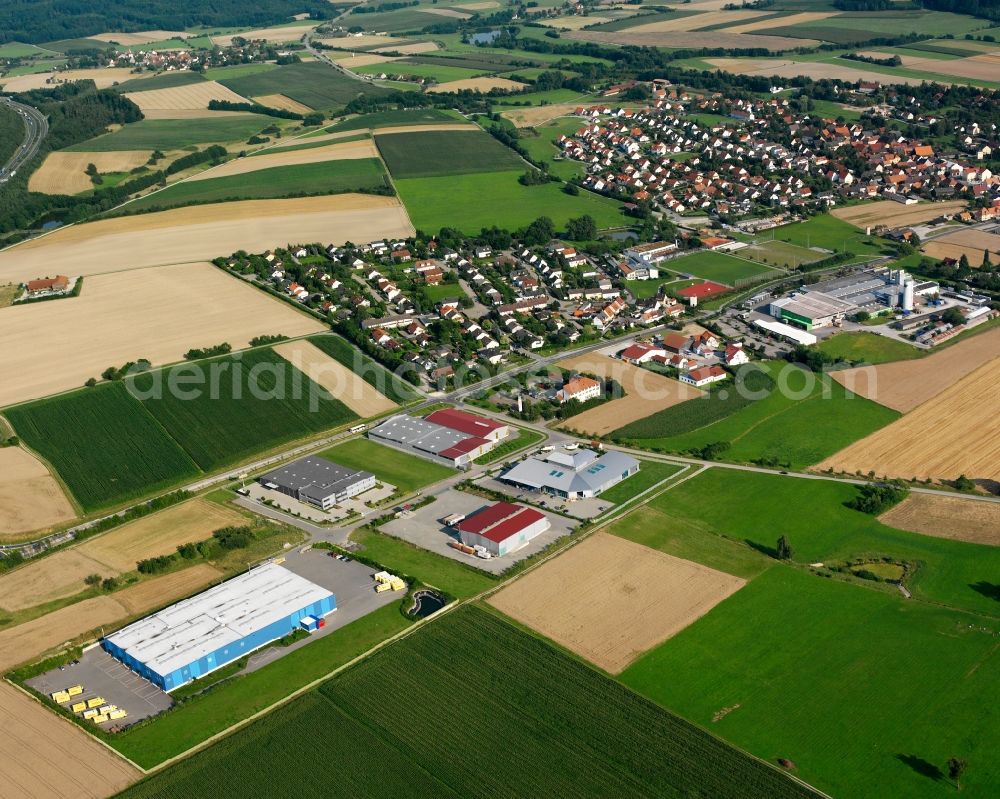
point(956, 768)
point(987, 263)
point(784, 549)
point(583, 228)
point(91, 169)
point(963, 262)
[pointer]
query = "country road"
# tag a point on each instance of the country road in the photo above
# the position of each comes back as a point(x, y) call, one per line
point(36, 129)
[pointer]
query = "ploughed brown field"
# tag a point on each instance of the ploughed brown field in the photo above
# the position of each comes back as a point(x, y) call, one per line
point(47, 757)
point(947, 517)
point(157, 313)
point(893, 214)
point(610, 600)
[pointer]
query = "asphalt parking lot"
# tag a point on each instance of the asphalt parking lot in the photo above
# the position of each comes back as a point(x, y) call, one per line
point(423, 528)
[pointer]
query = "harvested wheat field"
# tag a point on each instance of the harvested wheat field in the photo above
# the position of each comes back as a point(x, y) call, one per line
point(609, 600)
point(158, 314)
point(479, 85)
point(344, 151)
point(197, 233)
point(447, 12)
point(957, 432)
point(947, 517)
point(289, 33)
point(645, 393)
point(421, 128)
point(409, 49)
point(965, 241)
point(747, 66)
point(979, 67)
point(643, 37)
point(893, 214)
point(282, 102)
point(103, 77)
point(820, 71)
point(30, 498)
point(697, 21)
point(536, 115)
point(61, 574)
point(193, 97)
point(363, 41)
point(64, 172)
point(29, 641)
point(478, 6)
point(352, 60)
point(784, 22)
point(336, 378)
point(139, 37)
point(47, 757)
point(573, 23)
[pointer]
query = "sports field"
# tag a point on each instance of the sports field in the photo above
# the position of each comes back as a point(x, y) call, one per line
point(719, 267)
point(158, 314)
point(407, 472)
point(780, 253)
point(828, 232)
point(432, 153)
point(30, 499)
point(574, 729)
point(868, 348)
point(485, 199)
point(174, 134)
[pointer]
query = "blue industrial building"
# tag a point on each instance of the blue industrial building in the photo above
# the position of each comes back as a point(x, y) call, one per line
point(201, 634)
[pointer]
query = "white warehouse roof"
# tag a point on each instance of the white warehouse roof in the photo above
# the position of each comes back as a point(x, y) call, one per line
point(795, 334)
point(183, 633)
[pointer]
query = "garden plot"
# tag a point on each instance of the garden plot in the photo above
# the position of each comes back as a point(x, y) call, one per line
point(30, 498)
point(65, 172)
point(609, 600)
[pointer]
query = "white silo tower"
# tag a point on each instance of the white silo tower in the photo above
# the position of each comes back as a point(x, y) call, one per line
point(908, 290)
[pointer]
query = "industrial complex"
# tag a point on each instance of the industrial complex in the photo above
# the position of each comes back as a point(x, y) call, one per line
point(201, 634)
point(501, 528)
point(451, 436)
point(573, 475)
point(318, 481)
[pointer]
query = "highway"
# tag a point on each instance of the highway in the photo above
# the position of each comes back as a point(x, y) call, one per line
point(36, 129)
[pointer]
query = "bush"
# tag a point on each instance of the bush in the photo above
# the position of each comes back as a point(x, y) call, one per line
point(878, 497)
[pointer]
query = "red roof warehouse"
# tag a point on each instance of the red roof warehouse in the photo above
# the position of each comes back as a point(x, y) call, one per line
point(502, 528)
point(468, 423)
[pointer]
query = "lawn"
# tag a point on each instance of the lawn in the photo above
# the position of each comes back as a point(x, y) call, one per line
point(404, 719)
point(821, 529)
point(387, 119)
point(523, 439)
point(103, 444)
point(407, 472)
point(485, 199)
point(868, 694)
point(457, 579)
point(442, 291)
point(326, 177)
point(868, 348)
point(172, 134)
point(719, 267)
point(203, 716)
point(650, 473)
point(241, 404)
point(432, 153)
point(829, 233)
point(807, 418)
point(368, 370)
point(311, 83)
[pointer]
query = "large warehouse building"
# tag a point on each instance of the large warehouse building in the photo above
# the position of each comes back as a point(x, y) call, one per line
point(318, 481)
point(814, 309)
point(201, 634)
point(574, 475)
point(502, 528)
point(448, 435)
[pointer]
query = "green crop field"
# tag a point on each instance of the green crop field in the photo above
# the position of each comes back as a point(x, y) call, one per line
point(867, 693)
point(305, 143)
point(650, 473)
point(326, 177)
point(458, 579)
point(442, 73)
point(386, 119)
point(432, 153)
point(485, 199)
point(719, 267)
point(200, 717)
point(245, 403)
point(237, 71)
point(103, 444)
point(407, 472)
point(19, 50)
point(311, 83)
point(172, 134)
point(868, 347)
point(401, 21)
point(807, 418)
point(368, 370)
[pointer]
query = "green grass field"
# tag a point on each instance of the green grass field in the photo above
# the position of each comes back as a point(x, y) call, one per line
point(455, 578)
point(237, 71)
point(19, 50)
point(172, 134)
point(311, 83)
point(650, 473)
point(524, 438)
point(407, 472)
point(268, 402)
point(868, 347)
point(829, 233)
point(807, 418)
point(868, 694)
point(485, 199)
point(386, 119)
point(542, 147)
point(368, 370)
point(431, 153)
point(103, 444)
point(780, 253)
point(442, 291)
point(201, 717)
point(326, 177)
point(442, 73)
point(719, 267)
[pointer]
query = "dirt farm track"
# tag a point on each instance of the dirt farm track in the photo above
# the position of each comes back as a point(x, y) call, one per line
point(46, 757)
point(609, 600)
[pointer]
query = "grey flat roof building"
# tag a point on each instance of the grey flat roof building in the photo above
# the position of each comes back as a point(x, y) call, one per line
point(318, 481)
point(418, 433)
point(574, 475)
